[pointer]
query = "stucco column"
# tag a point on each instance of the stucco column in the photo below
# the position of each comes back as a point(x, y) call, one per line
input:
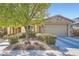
point(8, 30)
point(36, 28)
point(69, 30)
point(23, 30)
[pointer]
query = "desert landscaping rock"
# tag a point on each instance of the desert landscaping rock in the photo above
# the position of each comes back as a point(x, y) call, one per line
point(29, 45)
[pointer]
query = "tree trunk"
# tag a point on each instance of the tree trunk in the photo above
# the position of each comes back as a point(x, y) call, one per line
point(26, 29)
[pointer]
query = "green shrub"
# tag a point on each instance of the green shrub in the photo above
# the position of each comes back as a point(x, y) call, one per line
point(13, 39)
point(31, 34)
point(47, 38)
point(2, 34)
point(21, 35)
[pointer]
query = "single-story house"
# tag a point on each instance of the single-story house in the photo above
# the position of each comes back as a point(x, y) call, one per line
point(76, 23)
point(75, 26)
point(57, 25)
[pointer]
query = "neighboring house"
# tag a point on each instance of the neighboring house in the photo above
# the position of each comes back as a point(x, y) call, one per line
point(76, 23)
point(58, 25)
point(75, 26)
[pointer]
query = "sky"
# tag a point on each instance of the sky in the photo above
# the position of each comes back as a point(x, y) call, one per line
point(69, 10)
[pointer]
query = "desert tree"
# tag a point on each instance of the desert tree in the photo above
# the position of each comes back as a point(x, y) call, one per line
point(22, 14)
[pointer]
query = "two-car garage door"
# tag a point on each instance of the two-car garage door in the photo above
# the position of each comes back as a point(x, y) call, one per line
point(59, 30)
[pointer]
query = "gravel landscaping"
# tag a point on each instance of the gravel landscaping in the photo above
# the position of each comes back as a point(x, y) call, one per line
point(45, 52)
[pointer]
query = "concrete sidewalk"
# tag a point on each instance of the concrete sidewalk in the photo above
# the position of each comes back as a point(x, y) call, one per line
point(4, 44)
point(72, 52)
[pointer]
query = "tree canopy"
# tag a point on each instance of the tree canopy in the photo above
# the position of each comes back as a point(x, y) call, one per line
point(22, 14)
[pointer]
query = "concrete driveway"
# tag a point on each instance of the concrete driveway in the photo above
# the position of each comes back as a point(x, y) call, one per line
point(68, 45)
point(3, 44)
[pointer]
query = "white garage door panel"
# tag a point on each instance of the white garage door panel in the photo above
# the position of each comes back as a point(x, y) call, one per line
point(60, 30)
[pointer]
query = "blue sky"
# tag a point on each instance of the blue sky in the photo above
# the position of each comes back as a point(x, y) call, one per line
point(69, 10)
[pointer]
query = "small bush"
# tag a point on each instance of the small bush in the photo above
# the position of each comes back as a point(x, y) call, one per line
point(47, 38)
point(21, 35)
point(13, 39)
point(2, 34)
point(31, 34)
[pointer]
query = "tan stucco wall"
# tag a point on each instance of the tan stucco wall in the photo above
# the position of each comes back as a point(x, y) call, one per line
point(10, 30)
point(36, 28)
